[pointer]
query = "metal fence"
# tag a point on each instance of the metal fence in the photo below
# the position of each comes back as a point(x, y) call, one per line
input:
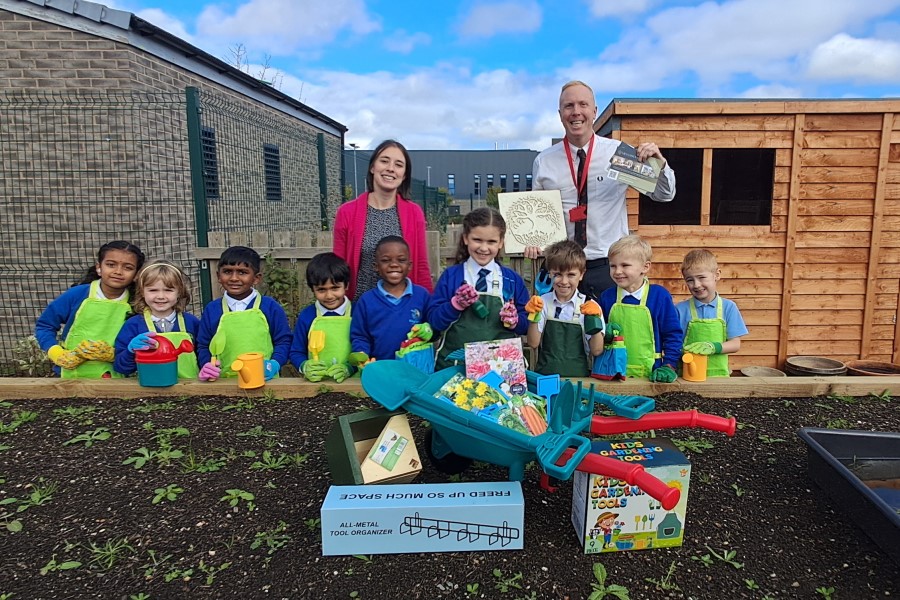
point(83, 168)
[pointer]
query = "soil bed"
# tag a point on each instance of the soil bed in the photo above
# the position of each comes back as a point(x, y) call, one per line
point(749, 494)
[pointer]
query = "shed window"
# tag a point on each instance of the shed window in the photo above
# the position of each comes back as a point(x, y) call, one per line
point(740, 184)
point(528, 183)
point(477, 186)
point(451, 184)
point(272, 164)
point(516, 182)
point(503, 182)
point(210, 163)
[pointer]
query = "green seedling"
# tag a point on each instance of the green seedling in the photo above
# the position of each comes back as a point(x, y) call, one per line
point(693, 444)
point(206, 407)
point(269, 462)
point(194, 464)
point(273, 539)
point(313, 524)
point(154, 406)
point(727, 556)
point(89, 437)
point(155, 561)
point(751, 585)
point(825, 592)
point(738, 490)
point(19, 418)
point(599, 588)
point(772, 412)
point(141, 457)
point(183, 574)
point(242, 404)
point(705, 477)
point(505, 583)
point(110, 552)
point(884, 396)
point(666, 584)
point(170, 493)
point(83, 415)
point(53, 566)
point(235, 496)
point(8, 516)
point(837, 424)
point(139, 596)
point(4, 447)
point(472, 589)
point(788, 403)
point(843, 398)
point(363, 557)
point(765, 439)
point(823, 406)
point(212, 570)
point(269, 395)
point(704, 559)
point(257, 432)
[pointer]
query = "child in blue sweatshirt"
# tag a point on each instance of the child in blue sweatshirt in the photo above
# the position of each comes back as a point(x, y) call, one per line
point(328, 276)
point(247, 320)
point(383, 316)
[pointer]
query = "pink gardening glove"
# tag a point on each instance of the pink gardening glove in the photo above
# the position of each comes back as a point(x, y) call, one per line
point(210, 371)
point(509, 316)
point(465, 297)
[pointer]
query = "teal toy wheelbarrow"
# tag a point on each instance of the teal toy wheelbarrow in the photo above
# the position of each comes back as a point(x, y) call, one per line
point(559, 451)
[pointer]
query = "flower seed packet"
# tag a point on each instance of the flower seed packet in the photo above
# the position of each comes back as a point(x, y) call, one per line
point(504, 357)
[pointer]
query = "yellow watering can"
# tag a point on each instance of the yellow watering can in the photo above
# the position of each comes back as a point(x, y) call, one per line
point(694, 366)
point(250, 369)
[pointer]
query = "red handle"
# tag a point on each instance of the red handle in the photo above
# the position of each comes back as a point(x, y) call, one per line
point(662, 420)
point(630, 473)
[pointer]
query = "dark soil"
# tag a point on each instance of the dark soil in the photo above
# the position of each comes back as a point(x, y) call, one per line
point(749, 494)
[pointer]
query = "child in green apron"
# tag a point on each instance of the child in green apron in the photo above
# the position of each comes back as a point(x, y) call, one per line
point(91, 314)
point(713, 325)
point(163, 292)
point(644, 313)
point(557, 319)
point(243, 320)
point(478, 299)
point(326, 321)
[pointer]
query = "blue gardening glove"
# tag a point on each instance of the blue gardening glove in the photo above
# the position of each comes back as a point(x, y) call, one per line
point(664, 374)
point(270, 369)
point(143, 341)
point(704, 348)
point(338, 372)
point(612, 330)
point(313, 370)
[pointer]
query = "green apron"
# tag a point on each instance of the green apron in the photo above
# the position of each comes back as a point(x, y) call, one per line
point(95, 319)
point(637, 329)
point(562, 347)
point(709, 330)
point(187, 361)
point(469, 327)
point(337, 336)
point(245, 331)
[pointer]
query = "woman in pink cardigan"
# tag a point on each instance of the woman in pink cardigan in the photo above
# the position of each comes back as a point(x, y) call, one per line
point(385, 209)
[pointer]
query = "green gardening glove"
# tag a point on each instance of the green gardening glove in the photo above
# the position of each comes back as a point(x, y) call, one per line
point(95, 350)
point(338, 372)
point(612, 330)
point(358, 359)
point(314, 370)
point(664, 374)
point(704, 348)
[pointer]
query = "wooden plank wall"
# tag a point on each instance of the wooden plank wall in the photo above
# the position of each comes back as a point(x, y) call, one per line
point(824, 278)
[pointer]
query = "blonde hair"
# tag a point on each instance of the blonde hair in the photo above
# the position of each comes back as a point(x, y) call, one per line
point(170, 276)
point(563, 256)
point(699, 259)
point(575, 82)
point(631, 245)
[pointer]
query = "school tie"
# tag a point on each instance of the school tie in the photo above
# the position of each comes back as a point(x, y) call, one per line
point(581, 226)
point(558, 312)
point(331, 313)
point(481, 284)
point(164, 326)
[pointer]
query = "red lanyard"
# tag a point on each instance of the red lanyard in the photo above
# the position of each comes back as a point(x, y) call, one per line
point(579, 185)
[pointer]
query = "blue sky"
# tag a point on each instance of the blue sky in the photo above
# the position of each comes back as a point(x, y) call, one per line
point(480, 74)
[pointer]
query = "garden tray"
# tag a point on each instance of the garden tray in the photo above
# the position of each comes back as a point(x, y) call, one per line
point(860, 471)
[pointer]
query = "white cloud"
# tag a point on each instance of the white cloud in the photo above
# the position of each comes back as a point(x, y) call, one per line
point(281, 27)
point(404, 43)
point(167, 23)
point(623, 9)
point(845, 57)
point(487, 20)
point(772, 90)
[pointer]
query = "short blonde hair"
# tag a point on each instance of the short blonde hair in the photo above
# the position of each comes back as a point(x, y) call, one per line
point(631, 245)
point(170, 276)
point(699, 259)
point(565, 255)
point(575, 82)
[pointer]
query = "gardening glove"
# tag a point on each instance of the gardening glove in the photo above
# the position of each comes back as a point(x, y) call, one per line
point(612, 330)
point(143, 341)
point(543, 283)
point(509, 316)
point(67, 359)
point(591, 308)
point(422, 331)
point(313, 370)
point(358, 359)
point(664, 374)
point(270, 369)
point(96, 350)
point(210, 371)
point(533, 308)
point(338, 372)
point(465, 297)
point(704, 348)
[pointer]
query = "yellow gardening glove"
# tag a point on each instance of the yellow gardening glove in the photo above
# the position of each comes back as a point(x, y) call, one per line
point(95, 350)
point(590, 308)
point(533, 308)
point(67, 359)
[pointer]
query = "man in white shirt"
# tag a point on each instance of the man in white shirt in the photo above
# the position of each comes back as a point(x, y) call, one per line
point(601, 217)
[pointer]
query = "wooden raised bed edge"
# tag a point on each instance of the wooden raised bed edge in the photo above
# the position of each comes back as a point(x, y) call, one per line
point(20, 388)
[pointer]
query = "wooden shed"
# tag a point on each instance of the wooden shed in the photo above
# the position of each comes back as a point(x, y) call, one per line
point(800, 202)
